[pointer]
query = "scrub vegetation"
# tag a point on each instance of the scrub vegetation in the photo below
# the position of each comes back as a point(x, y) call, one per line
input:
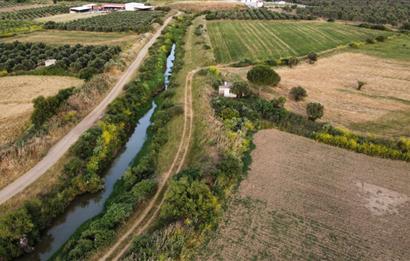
point(262, 40)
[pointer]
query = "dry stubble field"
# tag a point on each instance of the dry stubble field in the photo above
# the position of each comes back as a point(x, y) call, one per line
point(304, 200)
point(17, 93)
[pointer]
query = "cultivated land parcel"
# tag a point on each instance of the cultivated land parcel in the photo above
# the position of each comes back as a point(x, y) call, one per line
point(260, 40)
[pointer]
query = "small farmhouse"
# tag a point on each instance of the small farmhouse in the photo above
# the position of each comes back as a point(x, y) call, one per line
point(225, 90)
point(253, 3)
point(50, 62)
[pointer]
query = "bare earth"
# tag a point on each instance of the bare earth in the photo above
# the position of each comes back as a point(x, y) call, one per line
point(304, 200)
point(332, 81)
point(17, 93)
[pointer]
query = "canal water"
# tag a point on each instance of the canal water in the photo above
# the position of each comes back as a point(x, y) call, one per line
point(89, 206)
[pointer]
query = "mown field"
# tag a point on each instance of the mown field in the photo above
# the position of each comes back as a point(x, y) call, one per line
point(308, 201)
point(261, 40)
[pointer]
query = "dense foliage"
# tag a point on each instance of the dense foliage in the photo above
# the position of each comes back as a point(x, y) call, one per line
point(11, 27)
point(45, 108)
point(139, 22)
point(298, 93)
point(252, 14)
point(263, 75)
point(314, 110)
point(79, 60)
point(31, 13)
point(90, 157)
point(138, 182)
point(375, 11)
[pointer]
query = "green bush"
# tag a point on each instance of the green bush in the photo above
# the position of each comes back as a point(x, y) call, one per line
point(312, 57)
point(298, 93)
point(314, 111)
point(263, 75)
point(241, 89)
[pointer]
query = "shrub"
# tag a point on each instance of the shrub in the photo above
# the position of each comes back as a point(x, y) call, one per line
point(263, 75)
point(360, 84)
point(314, 111)
point(312, 57)
point(381, 38)
point(370, 41)
point(298, 93)
point(241, 89)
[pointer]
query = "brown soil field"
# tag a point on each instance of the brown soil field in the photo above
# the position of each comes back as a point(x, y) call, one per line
point(304, 200)
point(199, 6)
point(381, 108)
point(17, 95)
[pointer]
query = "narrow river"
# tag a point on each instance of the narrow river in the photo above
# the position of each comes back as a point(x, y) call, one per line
point(89, 206)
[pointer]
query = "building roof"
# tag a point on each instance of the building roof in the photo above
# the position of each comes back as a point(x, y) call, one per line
point(80, 8)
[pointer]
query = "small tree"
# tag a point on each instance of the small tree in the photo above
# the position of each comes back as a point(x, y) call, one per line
point(263, 75)
point(241, 89)
point(293, 61)
point(360, 84)
point(298, 93)
point(312, 57)
point(314, 111)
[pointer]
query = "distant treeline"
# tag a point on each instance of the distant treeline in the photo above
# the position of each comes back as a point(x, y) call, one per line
point(394, 12)
point(253, 14)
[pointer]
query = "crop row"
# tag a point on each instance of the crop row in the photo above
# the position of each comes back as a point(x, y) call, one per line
point(252, 14)
point(83, 61)
point(115, 22)
point(10, 27)
point(28, 14)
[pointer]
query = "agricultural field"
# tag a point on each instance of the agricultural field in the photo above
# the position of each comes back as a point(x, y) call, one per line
point(55, 37)
point(303, 200)
point(261, 40)
point(139, 22)
point(61, 18)
point(381, 107)
point(78, 60)
point(207, 5)
point(10, 27)
point(31, 13)
point(17, 95)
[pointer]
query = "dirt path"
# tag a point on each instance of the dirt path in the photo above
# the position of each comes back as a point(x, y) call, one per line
point(152, 209)
point(58, 150)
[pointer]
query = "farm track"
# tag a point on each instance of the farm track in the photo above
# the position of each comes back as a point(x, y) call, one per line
point(152, 209)
point(61, 147)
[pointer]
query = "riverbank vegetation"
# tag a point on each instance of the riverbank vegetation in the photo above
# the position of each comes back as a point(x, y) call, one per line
point(83, 173)
point(139, 181)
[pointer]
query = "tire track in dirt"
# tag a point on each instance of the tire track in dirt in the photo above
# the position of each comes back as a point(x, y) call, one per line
point(152, 209)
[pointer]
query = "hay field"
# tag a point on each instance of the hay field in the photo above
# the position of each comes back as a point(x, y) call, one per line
point(261, 40)
point(61, 18)
point(304, 200)
point(76, 37)
point(17, 95)
point(382, 107)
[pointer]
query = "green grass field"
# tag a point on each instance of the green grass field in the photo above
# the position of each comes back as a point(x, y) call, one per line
point(395, 48)
point(260, 40)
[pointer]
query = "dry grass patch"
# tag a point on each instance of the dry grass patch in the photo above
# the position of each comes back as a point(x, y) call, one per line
point(304, 200)
point(199, 6)
point(332, 81)
point(76, 37)
point(61, 18)
point(17, 95)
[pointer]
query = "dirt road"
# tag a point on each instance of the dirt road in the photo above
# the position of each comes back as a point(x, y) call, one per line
point(152, 209)
point(58, 150)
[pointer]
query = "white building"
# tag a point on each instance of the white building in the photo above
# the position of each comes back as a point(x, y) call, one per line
point(82, 9)
point(50, 62)
point(225, 90)
point(137, 6)
point(253, 3)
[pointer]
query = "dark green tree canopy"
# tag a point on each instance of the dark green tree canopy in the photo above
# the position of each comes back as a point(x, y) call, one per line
point(263, 75)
